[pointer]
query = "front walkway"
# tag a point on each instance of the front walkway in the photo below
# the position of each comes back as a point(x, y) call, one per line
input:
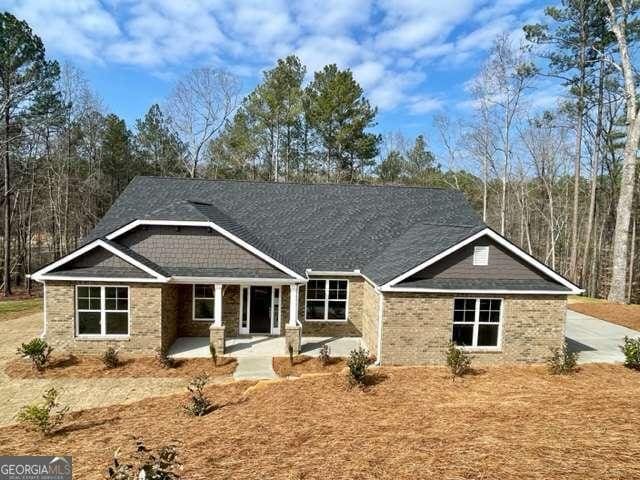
point(78, 393)
point(594, 339)
point(262, 346)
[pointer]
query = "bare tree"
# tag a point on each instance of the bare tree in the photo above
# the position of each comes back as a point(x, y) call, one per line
point(619, 12)
point(198, 107)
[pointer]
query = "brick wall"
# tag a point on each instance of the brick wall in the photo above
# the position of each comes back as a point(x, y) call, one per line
point(169, 324)
point(417, 328)
point(144, 318)
point(370, 315)
point(187, 327)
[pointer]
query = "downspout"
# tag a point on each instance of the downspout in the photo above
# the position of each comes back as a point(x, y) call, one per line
point(380, 319)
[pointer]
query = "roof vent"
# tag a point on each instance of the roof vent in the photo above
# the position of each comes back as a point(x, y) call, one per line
point(481, 256)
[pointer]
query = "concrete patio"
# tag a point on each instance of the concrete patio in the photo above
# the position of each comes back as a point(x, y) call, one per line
point(262, 346)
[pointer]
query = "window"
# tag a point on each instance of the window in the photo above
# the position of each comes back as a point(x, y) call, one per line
point(476, 322)
point(203, 302)
point(326, 300)
point(102, 310)
point(275, 305)
point(481, 256)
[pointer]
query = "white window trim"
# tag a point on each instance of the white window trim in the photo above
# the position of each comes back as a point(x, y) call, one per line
point(245, 330)
point(103, 315)
point(478, 252)
point(326, 302)
point(476, 324)
point(193, 303)
point(274, 330)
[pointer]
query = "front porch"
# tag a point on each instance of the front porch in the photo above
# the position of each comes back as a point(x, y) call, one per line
point(262, 345)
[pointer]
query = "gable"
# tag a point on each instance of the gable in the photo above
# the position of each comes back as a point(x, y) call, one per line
point(100, 262)
point(195, 251)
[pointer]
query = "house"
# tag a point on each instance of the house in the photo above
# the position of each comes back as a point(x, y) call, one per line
point(406, 269)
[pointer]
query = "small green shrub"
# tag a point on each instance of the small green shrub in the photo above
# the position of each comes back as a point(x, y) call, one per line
point(38, 350)
point(198, 404)
point(325, 355)
point(46, 417)
point(290, 348)
point(357, 363)
point(146, 465)
point(164, 360)
point(214, 354)
point(110, 358)
point(631, 351)
point(458, 361)
point(562, 361)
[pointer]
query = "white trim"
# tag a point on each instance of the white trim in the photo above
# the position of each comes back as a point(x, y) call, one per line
point(103, 335)
point(326, 302)
point(475, 291)
point(214, 226)
point(339, 273)
point(502, 241)
point(274, 330)
point(40, 274)
point(476, 325)
point(44, 303)
point(245, 330)
point(99, 279)
point(234, 280)
point(294, 304)
point(193, 304)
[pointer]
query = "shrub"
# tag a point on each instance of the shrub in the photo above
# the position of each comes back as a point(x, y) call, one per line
point(290, 347)
point(325, 355)
point(631, 351)
point(38, 351)
point(148, 466)
point(357, 362)
point(458, 361)
point(562, 360)
point(46, 417)
point(164, 360)
point(214, 354)
point(198, 404)
point(110, 358)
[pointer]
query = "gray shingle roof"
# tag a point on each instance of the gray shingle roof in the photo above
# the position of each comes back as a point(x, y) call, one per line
point(381, 230)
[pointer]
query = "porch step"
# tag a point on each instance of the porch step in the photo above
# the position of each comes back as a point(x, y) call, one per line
point(254, 368)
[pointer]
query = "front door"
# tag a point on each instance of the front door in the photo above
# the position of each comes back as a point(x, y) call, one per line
point(260, 310)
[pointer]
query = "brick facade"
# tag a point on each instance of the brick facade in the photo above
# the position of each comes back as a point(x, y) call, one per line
point(370, 317)
point(187, 327)
point(417, 328)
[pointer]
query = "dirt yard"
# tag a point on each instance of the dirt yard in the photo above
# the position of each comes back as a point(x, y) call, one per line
point(625, 315)
point(503, 423)
point(303, 364)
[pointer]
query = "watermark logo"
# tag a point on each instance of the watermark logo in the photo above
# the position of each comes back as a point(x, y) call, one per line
point(35, 468)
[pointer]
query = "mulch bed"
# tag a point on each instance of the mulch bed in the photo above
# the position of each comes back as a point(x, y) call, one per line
point(71, 366)
point(304, 364)
point(625, 315)
point(504, 423)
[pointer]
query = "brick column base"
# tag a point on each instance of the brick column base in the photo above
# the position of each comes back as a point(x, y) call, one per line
point(293, 337)
point(216, 338)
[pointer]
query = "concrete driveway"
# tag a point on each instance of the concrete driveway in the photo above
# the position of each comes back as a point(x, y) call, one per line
point(596, 341)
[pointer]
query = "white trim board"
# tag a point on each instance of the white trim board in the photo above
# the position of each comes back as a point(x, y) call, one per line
point(574, 289)
point(214, 226)
point(475, 291)
point(41, 274)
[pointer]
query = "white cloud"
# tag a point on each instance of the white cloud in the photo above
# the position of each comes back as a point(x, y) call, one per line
point(419, 105)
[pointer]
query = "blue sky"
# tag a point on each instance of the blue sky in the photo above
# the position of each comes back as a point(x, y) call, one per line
point(413, 57)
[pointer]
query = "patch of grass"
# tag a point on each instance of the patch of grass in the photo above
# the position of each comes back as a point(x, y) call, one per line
point(10, 309)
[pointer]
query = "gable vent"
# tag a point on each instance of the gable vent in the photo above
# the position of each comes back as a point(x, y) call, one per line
point(481, 256)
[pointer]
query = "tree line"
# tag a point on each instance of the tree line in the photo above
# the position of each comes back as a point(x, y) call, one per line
point(557, 179)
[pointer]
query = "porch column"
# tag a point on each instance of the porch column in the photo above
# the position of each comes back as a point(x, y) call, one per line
point(293, 331)
point(217, 306)
point(293, 305)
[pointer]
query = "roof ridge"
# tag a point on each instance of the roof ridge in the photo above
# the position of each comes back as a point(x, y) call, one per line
point(320, 184)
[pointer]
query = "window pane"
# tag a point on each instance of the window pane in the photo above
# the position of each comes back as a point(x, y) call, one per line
point(338, 289)
point(110, 303)
point(315, 310)
point(89, 323)
point(470, 304)
point(494, 316)
point(117, 323)
point(122, 304)
point(94, 292)
point(83, 292)
point(110, 292)
point(462, 335)
point(495, 304)
point(204, 291)
point(337, 310)
point(458, 316)
point(316, 289)
point(83, 304)
point(204, 309)
point(94, 304)
point(488, 336)
point(485, 304)
point(484, 316)
point(470, 316)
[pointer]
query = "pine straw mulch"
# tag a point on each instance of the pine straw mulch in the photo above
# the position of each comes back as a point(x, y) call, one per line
point(502, 423)
point(625, 315)
point(303, 364)
point(72, 366)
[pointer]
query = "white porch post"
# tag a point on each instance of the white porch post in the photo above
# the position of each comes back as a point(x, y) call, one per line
point(217, 306)
point(293, 305)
